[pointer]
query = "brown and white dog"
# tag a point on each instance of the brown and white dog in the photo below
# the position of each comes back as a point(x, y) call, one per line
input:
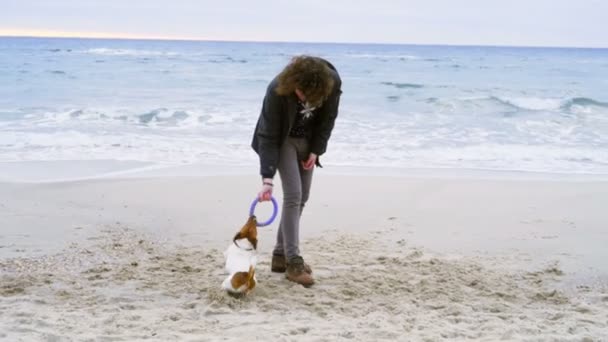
point(241, 259)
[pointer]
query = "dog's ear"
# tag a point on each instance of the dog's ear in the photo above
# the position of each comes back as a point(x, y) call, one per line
point(252, 231)
point(249, 232)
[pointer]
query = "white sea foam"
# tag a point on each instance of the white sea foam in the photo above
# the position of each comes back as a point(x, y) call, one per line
point(535, 103)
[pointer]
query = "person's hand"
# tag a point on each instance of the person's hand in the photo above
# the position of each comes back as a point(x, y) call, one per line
point(266, 193)
point(310, 162)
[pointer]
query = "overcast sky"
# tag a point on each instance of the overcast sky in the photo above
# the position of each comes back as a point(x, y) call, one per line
point(470, 22)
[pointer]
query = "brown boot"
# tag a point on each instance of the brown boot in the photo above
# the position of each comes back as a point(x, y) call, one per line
point(296, 272)
point(279, 264)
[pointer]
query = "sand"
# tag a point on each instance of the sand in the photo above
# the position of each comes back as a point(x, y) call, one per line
point(411, 258)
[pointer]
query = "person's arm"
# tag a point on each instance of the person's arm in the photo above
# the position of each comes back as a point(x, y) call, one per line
point(269, 132)
point(322, 134)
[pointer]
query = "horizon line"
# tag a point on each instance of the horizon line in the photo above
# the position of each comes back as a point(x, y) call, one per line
point(193, 39)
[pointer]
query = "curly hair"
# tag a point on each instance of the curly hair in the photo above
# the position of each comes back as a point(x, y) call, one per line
point(310, 75)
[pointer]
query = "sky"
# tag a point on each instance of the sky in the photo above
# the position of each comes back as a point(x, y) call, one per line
point(578, 23)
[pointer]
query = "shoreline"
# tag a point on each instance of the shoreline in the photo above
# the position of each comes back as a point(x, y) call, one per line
point(81, 170)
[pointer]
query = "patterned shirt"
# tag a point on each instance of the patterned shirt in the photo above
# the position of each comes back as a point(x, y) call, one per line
point(303, 124)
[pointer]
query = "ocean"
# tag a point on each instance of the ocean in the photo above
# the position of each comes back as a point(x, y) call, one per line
point(403, 106)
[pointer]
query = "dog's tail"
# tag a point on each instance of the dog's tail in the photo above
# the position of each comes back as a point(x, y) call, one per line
point(250, 279)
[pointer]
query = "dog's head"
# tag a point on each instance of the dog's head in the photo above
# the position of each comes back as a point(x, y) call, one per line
point(249, 232)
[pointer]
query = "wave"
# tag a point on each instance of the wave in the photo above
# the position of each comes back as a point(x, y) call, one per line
point(128, 52)
point(227, 59)
point(375, 56)
point(524, 104)
point(403, 85)
point(59, 50)
point(160, 117)
point(163, 115)
point(529, 103)
point(583, 102)
point(436, 59)
point(400, 57)
point(553, 104)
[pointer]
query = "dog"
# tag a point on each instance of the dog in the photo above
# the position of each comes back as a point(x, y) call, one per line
point(241, 259)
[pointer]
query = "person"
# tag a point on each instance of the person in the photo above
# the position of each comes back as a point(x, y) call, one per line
point(295, 124)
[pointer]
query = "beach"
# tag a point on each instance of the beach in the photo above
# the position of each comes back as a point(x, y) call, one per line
point(463, 194)
point(412, 255)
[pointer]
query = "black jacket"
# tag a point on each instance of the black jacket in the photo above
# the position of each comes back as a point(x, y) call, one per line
point(278, 116)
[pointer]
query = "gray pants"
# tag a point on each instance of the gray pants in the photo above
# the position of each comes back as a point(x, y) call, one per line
point(296, 189)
